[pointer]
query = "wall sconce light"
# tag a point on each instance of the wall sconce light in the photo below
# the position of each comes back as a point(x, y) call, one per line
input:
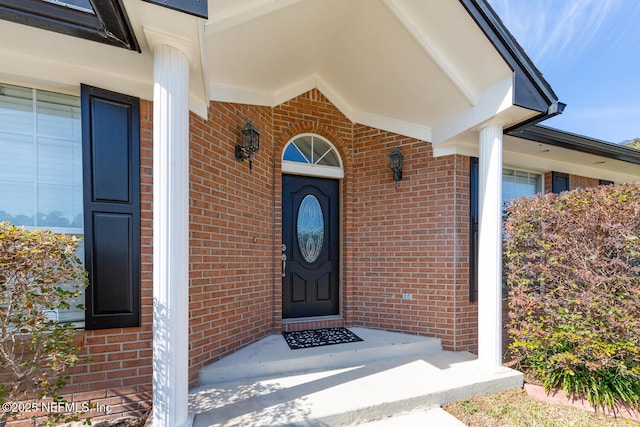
point(395, 164)
point(250, 144)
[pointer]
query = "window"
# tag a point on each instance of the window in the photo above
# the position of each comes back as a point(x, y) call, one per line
point(313, 155)
point(40, 159)
point(41, 165)
point(516, 184)
point(72, 165)
point(310, 228)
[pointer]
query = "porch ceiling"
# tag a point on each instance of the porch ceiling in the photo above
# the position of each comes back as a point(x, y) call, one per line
point(421, 68)
point(401, 65)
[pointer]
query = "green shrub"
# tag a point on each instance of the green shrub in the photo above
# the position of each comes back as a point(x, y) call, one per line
point(39, 271)
point(573, 272)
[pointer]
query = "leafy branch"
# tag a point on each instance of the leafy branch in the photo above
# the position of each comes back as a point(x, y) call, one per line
point(39, 272)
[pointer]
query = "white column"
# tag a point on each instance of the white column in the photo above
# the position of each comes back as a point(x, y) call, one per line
point(170, 231)
point(490, 248)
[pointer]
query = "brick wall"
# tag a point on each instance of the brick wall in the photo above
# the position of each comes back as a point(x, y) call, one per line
point(231, 235)
point(412, 240)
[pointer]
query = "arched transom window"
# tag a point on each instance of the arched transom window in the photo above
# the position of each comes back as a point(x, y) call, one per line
point(310, 154)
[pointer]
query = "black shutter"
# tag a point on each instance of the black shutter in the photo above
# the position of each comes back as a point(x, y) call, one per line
point(606, 182)
point(559, 182)
point(111, 163)
point(473, 245)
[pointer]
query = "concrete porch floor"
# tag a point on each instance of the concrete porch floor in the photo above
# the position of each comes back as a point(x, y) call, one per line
point(388, 379)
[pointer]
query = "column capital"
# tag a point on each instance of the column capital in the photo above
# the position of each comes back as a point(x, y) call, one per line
point(157, 38)
point(495, 121)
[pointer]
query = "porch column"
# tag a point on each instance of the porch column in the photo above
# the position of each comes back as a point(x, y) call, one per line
point(490, 247)
point(170, 229)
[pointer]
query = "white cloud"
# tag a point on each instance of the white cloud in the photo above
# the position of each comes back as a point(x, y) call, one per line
point(550, 29)
point(589, 50)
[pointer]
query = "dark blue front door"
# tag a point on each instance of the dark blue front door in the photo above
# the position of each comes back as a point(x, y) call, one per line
point(310, 227)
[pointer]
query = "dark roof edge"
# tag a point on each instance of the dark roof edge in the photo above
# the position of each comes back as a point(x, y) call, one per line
point(554, 109)
point(577, 142)
point(531, 90)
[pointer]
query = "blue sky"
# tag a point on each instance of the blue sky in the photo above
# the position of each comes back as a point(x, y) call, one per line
point(589, 52)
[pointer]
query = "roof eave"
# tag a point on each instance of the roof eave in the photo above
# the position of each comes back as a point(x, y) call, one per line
point(577, 142)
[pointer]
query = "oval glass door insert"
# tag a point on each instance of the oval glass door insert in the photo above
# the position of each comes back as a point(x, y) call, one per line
point(310, 228)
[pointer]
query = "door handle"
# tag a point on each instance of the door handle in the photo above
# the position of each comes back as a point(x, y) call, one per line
point(284, 265)
point(284, 260)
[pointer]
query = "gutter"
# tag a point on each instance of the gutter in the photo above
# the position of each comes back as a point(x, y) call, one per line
point(572, 141)
point(553, 110)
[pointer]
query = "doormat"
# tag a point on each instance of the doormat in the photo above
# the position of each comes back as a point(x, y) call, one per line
point(319, 337)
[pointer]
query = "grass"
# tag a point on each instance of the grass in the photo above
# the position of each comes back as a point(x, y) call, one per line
point(513, 408)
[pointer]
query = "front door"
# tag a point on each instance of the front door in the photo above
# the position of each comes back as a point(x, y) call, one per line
point(310, 226)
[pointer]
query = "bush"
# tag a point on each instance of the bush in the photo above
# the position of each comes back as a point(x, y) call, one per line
point(573, 272)
point(39, 271)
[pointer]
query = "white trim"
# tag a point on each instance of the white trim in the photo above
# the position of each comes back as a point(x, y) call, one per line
point(226, 93)
point(200, 105)
point(297, 88)
point(390, 124)
point(297, 168)
point(489, 104)
point(242, 95)
point(515, 167)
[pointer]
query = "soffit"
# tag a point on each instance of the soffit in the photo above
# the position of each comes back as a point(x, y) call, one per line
point(532, 155)
point(386, 63)
point(416, 67)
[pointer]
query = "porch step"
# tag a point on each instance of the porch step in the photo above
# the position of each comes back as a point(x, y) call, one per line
point(271, 356)
point(378, 391)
